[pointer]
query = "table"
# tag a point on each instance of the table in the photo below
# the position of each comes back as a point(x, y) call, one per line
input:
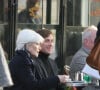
point(77, 85)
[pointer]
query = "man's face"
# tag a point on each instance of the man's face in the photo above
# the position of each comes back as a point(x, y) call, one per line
point(89, 41)
point(48, 44)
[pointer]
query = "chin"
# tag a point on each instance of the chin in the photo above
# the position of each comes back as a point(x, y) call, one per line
point(49, 52)
point(36, 55)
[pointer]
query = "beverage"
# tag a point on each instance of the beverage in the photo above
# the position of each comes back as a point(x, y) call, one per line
point(86, 78)
point(66, 69)
point(78, 76)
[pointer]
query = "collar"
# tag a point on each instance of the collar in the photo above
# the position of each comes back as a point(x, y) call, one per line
point(86, 50)
point(43, 56)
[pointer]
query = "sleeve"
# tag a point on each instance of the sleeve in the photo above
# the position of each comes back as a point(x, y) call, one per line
point(76, 65)
point(26, 76)
point(5, 78)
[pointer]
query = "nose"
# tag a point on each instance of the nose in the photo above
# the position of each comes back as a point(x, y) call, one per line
point(51, 43)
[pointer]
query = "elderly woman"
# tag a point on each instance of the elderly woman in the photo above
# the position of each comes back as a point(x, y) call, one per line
point(25, 71)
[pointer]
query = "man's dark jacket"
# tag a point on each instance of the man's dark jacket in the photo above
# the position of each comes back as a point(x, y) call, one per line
point(49, 67)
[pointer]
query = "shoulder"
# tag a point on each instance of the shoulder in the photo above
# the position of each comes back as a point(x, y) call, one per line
point(79, 55)
point(23, 16)
point(52, 61)
point(78, 59)
point(22, 13)
point(20, 58)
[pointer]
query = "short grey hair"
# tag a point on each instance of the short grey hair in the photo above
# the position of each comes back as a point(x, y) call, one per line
point(27, 36)
point(87, 33)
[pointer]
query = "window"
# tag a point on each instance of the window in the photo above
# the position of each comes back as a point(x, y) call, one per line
point(38, 11)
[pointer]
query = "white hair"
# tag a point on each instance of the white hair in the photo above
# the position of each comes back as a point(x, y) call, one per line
point(87, 33)
point(27, 36)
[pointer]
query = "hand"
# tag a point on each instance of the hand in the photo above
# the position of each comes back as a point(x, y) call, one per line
point(64, 78)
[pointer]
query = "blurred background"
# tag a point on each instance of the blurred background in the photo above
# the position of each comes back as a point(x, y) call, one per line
point(66, 18)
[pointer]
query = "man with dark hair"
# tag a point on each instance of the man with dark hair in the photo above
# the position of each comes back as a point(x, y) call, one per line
point(49, 66)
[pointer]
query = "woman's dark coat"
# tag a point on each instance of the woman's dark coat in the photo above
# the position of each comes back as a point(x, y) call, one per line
point(28, 75)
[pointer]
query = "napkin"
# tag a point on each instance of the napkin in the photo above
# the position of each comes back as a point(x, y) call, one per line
point(91, 72)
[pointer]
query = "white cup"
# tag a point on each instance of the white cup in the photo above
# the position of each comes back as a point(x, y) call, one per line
point(79, 76)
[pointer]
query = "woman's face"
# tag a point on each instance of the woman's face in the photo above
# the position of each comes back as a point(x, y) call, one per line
point(34, 49)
